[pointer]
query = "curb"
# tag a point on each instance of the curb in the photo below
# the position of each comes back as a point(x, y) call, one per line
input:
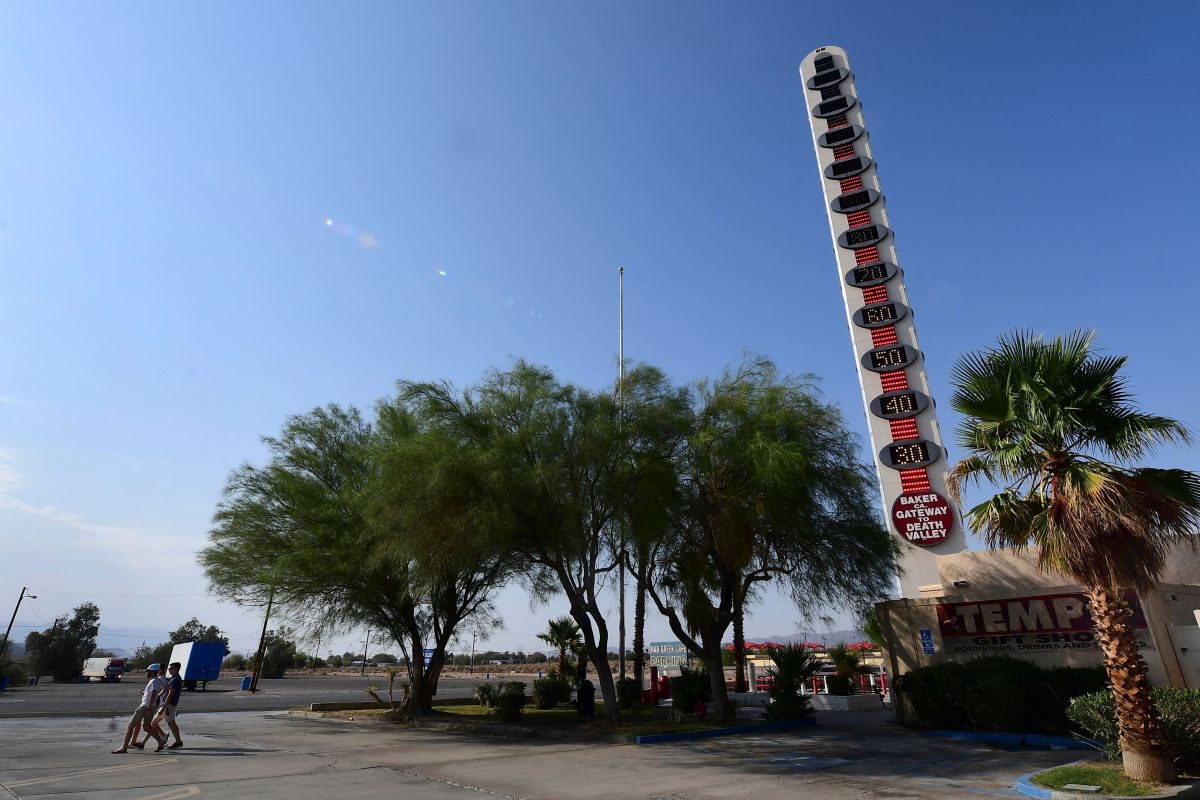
point(762, 727)
point(1038, 741)
point(1025, 786)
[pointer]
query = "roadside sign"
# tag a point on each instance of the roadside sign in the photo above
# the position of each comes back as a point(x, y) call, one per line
point(667, 654)
point(428, 655)
point(927, 641)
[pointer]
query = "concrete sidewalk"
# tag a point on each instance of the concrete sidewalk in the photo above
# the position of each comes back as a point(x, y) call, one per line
point(268, 756)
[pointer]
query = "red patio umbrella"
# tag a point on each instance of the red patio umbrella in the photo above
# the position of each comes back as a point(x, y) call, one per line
point(862, 646)
point(813, 645)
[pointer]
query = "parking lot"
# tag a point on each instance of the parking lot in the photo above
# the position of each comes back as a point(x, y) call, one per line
point(272, 755)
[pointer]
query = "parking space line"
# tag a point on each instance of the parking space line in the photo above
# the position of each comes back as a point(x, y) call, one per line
point(178, 793)
point(97, 771)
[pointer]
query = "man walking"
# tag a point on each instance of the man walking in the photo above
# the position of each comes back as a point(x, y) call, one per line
point(166, 711)
point(143, 713)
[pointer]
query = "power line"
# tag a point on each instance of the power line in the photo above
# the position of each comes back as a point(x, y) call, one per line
point(96, 594)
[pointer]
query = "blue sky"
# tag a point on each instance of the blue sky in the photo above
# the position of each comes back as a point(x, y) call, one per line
point(213, 216)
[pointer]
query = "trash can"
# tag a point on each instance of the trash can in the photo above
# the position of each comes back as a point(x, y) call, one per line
point(3, 682)
point(246, 683)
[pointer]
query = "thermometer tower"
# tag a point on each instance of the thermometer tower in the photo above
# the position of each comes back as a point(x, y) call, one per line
point(905, 436)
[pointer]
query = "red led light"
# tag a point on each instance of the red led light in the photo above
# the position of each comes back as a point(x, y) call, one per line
point(859, 218)
point(893, 381)
point(864, 255)
point(914, 480)
point(903, 429)
point(837, 121)
point(851, 184)
point(844, 151)
point(874, 294)
point(882, 336)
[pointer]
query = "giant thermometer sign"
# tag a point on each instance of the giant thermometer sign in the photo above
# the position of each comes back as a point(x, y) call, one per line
point(905, 436)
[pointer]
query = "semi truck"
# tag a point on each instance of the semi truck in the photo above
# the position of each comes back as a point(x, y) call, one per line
point(104, 669)
point(200, 662)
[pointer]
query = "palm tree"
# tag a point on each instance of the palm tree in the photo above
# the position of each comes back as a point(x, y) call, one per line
point(1054, 426)
point(847, 665)
point(564, 634)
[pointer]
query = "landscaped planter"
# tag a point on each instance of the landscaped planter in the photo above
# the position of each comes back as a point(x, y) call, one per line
point(846, 702)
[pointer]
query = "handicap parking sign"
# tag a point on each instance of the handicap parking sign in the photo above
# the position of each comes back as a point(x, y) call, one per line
point(927, 641)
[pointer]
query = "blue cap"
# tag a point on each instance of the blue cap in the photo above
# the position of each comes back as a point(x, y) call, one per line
point(155, 666)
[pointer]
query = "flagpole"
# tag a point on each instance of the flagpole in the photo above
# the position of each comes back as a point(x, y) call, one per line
point(621, 411)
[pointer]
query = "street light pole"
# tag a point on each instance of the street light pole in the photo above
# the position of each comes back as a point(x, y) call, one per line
point(24, 594)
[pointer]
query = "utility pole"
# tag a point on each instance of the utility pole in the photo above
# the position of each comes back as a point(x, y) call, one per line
point(262, 643)
point(472, 652)
point(24, 594)
point(621, 413)
point(366, 644)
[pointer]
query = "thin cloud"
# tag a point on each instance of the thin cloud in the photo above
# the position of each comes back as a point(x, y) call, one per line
point(5, 400)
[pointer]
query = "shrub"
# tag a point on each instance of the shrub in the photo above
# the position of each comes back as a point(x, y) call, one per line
point(629, 693)
point(15, 672)
point(550, 692)
point(234, 663)
point(689, 688)
point(1179, 709)
point(511, 701)
point(485, 694)
point(995, 693)
point(792, 667)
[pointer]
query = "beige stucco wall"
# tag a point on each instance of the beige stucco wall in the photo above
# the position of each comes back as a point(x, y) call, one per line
point(1172, 639)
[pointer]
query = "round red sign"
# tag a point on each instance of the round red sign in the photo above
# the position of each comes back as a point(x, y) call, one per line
point(923, 518)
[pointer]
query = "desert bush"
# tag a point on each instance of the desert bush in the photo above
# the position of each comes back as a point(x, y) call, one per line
point(689, 688)
point(1096, 715)
point(485, 694)
point(510, 702)
point(629, 693)
point(995, 693)
point(550, 692)
point(791, 668)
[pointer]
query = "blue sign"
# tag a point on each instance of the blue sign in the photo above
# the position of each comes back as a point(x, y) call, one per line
point(667, 654)
point(428, 655)
point(927, 641)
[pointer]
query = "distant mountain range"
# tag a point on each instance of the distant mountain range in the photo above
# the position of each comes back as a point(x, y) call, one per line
point(829, 638)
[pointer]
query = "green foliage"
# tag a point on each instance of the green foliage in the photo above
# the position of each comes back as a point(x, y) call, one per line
point(511, 701)
point(550, 692)
point(768, 488)
point(629, 693)
point(871, 626)
point(1179, 710)
point(234, 663)
point(279, 653)
point(1056, 423)
point(689, 688)
point(995, 693)
point(17, 676)
point(563, 633)
point(486, 693)
point(792, 667)
point(61, 649)
point(847, 665)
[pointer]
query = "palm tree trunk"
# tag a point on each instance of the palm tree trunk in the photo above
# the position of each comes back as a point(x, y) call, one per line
point(639, 622)
point(1144, 752)
point(739, 641)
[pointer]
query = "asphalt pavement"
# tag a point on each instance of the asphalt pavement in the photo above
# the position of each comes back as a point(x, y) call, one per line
point(271, 756)
point(108, 699)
